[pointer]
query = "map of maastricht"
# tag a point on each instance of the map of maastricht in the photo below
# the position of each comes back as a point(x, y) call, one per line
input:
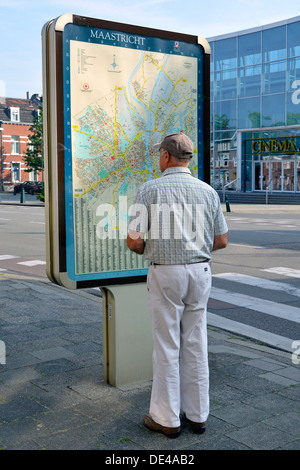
point(123, 102)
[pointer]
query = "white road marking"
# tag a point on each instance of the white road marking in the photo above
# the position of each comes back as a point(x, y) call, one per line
point(247, 246)
point(249, 331)
point(286, 222)
point(259, 282)
point(33, 262)
point(4, 257)
point(278, 310)
point(283, 271)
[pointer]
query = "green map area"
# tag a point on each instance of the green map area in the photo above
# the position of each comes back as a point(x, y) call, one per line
point(123, 102)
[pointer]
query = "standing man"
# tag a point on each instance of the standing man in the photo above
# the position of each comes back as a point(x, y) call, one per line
point(183, 221)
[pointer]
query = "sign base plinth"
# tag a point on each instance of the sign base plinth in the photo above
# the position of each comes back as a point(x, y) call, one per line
point(127, 334)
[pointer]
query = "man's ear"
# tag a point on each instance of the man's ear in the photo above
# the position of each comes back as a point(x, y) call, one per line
point(167, 157)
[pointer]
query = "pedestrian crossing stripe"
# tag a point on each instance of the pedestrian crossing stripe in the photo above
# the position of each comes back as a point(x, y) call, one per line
point(283, 271)
point(259, 305)
point(243, 329)
point(280, 222)
point(247, 246)
point(259, 282)
point(31, 263)
point(279, 310)
point(5, 257)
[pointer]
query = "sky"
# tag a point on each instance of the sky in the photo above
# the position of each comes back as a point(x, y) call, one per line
point(21, 22)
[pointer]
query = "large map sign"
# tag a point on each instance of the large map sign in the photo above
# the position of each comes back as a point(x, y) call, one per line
point(120, 89)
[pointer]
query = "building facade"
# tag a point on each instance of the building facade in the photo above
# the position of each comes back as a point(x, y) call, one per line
point(255, 109)
point(16, 117)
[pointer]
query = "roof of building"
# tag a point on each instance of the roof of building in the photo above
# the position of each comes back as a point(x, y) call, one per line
point(254, 30)
point(28, 108)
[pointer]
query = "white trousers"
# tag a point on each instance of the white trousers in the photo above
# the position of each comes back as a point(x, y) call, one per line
point(178, 296)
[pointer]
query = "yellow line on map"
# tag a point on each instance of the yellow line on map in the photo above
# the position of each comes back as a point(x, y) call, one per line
point(103, 179)
point(174, 111)
point(132, 109)
point(163, 71)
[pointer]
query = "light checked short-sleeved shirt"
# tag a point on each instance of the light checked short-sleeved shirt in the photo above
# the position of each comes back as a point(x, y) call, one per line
point(180, 216)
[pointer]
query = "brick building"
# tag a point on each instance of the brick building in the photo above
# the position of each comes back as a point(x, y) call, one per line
point(16, 118)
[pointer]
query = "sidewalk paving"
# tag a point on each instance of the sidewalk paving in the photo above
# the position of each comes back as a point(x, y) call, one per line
point(53, 394)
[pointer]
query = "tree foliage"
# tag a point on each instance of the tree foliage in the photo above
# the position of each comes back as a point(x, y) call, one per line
point(34, 155)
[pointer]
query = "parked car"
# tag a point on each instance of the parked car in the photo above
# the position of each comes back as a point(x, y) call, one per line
point(30, 187)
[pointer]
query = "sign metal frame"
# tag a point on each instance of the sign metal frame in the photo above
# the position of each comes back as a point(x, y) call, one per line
point(55, 144)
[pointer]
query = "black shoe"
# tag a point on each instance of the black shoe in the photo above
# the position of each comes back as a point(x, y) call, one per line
point(197, 428)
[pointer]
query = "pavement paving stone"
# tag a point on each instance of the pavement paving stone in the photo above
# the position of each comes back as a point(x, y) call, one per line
point(289, 422)
point(266, 364)
point(272, 403)
point(278, 379)
point(240, 415)
point(292, 373)
point(19, 375)
point(260, 436)
point(292, 392)
point(53, 394)
point(19, 408)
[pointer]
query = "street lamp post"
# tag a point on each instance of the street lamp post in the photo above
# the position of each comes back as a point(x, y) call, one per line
point(1, 151)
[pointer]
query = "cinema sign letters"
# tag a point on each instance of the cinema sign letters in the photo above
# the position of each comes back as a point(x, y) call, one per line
point(281, 145)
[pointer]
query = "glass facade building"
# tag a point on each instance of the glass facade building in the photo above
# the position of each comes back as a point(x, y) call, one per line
point(255, 108)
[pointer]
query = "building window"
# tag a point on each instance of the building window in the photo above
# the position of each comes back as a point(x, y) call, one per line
point(30, 146)
point(274, 44)
point(225, 115)
point(249, 113)
point(15, 114)
point(293, 74)
point(249, 49)
point(250, 81)
point(274, 76)
point(15, 144)
point(223, 146)
point(293, 108)
point(225, 54)
point(225, 84)
point(33, 176)
point(273, 110)
point(293, 39)
point(15, 170)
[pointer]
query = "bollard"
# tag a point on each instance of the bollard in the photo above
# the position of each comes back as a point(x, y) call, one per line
point(22, 198)
point(227, 205)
